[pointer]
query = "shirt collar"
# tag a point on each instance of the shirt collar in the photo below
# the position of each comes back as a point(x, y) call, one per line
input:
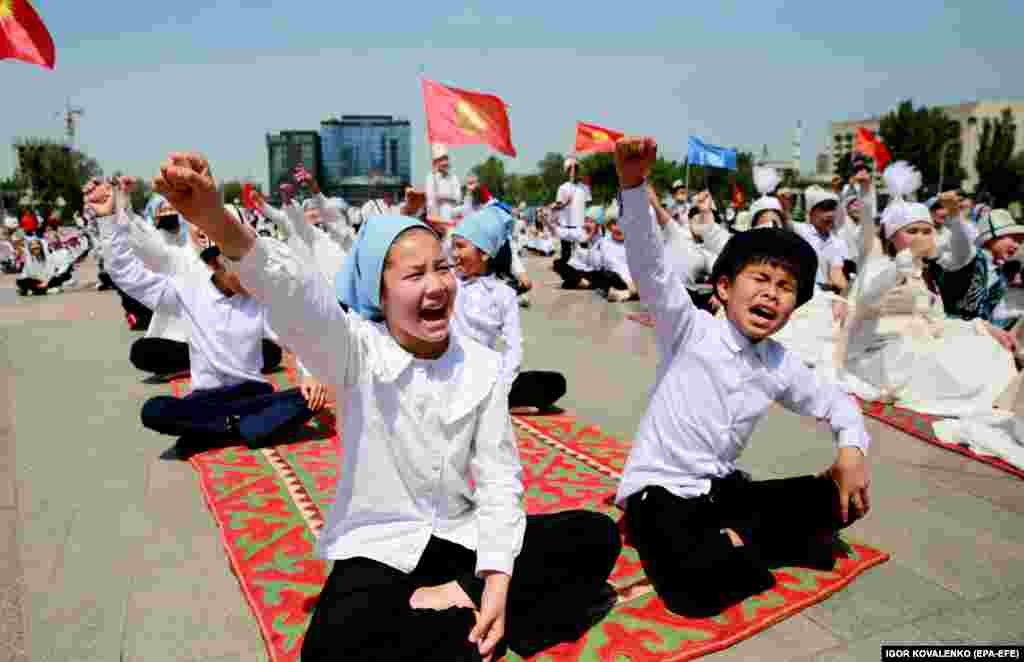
point(397, 359)
point(737, 342)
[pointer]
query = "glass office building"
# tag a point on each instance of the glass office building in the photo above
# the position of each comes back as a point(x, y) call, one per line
point(358, 146)
point(288, 149)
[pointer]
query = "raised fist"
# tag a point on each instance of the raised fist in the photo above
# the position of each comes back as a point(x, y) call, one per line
point(950, 201)
point(187, 183)
point(634, 158)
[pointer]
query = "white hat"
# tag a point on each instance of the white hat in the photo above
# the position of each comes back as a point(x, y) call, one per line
point(569, 162)
point(438, 151)
point(815, 195)
point(899, 214)
point(678, 184)
point(768, 202)
point(999, 223)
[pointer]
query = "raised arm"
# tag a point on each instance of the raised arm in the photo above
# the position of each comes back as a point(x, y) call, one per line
point(301, 305)
point(150, 288)
point(961, 246)
point(674, 312)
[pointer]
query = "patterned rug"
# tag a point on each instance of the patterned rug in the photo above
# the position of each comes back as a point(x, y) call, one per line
point(920, 426)
point(269, 505)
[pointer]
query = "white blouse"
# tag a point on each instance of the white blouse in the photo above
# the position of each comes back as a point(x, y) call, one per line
point(429, 448)
point(487, 309)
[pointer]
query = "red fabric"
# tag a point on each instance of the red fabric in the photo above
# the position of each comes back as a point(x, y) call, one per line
point(460, 117)
point(738, 199)
point(247, 199)
point(869, 145)
point(23, 35)
point(593, 138)
point(28, 222)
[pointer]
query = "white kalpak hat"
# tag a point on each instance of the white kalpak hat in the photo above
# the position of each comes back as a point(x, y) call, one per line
point(569, 162)
point(815, 195)
point(438, 151)
point(902, 179)
point(765, 181)
point(999, 223)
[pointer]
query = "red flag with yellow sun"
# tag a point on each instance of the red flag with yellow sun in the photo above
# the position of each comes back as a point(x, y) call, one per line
point(593, 138)
point(460, 117)
point(23, 35)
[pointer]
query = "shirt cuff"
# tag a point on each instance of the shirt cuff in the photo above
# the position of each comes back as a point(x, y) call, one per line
point(854, 439)
point(495, 561)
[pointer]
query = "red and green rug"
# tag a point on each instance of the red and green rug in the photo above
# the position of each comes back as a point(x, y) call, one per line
point(270, 504)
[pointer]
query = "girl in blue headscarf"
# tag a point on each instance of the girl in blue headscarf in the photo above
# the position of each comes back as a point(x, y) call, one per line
point(487, 309)
point(427, 523)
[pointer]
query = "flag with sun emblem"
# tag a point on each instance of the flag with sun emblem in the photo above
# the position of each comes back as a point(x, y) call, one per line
point(23, 36)
point(460, 117)
point(593, 138)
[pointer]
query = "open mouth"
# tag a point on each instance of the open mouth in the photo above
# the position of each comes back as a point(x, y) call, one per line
point(763, 312)
point(434, 314)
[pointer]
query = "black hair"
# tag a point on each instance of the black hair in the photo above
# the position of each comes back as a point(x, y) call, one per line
point(209, 254)
point(773, 246)
point(501, 264)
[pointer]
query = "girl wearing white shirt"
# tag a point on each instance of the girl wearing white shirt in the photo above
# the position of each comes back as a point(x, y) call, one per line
point(427, 523)
point(576, 271)
point(486, 308)
point(36, 276)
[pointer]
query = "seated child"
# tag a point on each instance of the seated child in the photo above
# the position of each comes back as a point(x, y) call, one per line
point(901, 347)
point(706, 533)
point(971, 278)
point(434, 558)
point(486, 308)
point(37, 272)
point(578, 269)
point(229, 399)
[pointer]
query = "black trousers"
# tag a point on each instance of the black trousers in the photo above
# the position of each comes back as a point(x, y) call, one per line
point(536, 388)
point(166, 357)
point(39, 287)
point(558, 590)
point(202, 416)
point(566, 251)
point(607, 280)
point(571, 277)
point(693, 564)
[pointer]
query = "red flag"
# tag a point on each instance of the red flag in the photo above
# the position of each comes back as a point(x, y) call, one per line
point(23, 36)
point(738, 199)
point(247, 198)
point(459, 117)
point(869, 145)
point(593, 138)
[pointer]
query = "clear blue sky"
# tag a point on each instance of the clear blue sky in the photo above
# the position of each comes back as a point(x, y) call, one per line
point(217, 75)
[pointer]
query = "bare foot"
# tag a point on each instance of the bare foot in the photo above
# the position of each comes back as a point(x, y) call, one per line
point(440, 597)
point(734, 537)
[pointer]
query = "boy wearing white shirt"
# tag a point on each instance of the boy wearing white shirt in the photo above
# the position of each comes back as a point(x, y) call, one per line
point(444, 193)
point(707, 534)
point(230, 400)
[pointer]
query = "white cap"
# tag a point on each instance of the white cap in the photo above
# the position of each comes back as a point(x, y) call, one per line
point(678, 184)
point(765, 203)
point(438, 151)
point(899, 214)
point(569, 162)
point(815, 195)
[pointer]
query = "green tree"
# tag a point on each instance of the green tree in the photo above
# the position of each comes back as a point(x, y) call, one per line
point(918, 136)
point(995, 160)
point(552, 173)
point(54, 171)
point(232, 190)
point(491, 174)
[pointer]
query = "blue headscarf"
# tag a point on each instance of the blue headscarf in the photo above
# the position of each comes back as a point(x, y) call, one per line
point(155, 202)
point(358, 283)
point(488, 229)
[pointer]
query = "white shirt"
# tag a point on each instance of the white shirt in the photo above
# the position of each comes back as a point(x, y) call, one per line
point(566, 194)
point(226, 334)
point(578, 206)
point(830, 249)
point(320, 248)
point(415, 431)
point(171, 255)
point(443, 194)
point(487, 309)
point(612, 257)
point(582, 258)
point(713, 384)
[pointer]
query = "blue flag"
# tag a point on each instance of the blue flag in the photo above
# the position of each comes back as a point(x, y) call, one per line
point(702, 154)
